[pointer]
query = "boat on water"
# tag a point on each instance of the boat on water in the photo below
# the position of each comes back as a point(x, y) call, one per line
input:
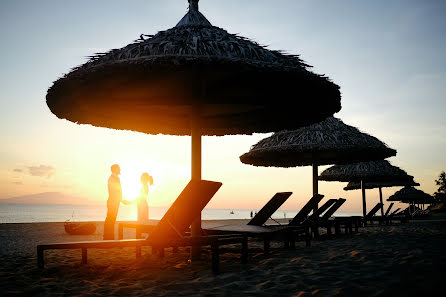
point(79, 228)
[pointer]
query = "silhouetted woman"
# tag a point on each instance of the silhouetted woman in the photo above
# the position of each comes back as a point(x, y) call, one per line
point(141, 201)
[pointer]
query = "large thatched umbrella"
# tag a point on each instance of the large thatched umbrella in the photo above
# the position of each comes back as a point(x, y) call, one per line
point(328, 142)
point(363, 172)
point(411, 195)
point(194, 79)
point(357, 185)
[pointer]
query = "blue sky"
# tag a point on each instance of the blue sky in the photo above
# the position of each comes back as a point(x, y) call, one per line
point(389, 57)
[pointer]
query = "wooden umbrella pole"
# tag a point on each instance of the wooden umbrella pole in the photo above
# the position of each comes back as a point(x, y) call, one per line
point(315, 183)
point(381, 200)
point(364, 207)
point(196, 175)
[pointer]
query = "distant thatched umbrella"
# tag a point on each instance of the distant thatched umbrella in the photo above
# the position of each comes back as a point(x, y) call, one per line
point(194, 79)
point(328, 142)
point(374, 171)
point(410, 195)
point(380, 185)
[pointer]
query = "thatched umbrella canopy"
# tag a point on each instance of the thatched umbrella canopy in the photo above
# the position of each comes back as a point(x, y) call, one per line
point(409, 194)
point(194, 79)
point(357, 185)
point(363, 172)
point(324, 143)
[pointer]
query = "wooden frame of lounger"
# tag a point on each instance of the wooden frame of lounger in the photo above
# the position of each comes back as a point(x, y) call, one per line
point(259, 219)
point(169, 231)
point(328, 222)
point(288, 233)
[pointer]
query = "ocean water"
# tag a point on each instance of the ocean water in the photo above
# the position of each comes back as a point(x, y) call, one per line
point(31, 213)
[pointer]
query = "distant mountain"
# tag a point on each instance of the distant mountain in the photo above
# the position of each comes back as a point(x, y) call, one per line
point(47, 198)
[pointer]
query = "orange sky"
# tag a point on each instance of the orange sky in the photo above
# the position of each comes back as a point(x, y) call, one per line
point(391, 74)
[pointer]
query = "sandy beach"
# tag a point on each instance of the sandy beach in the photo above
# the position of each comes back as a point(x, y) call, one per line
point(398, 260)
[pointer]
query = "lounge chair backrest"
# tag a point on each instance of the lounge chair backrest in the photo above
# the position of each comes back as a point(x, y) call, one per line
point(322, 209)
point(374, 210)
point(333, 209)
point(395, 211)
point(184, 210)
point(269, 208)
point(388, 209)
point(308, 207)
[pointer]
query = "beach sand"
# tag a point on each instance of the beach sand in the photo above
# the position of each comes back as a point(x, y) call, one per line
point(400, 260)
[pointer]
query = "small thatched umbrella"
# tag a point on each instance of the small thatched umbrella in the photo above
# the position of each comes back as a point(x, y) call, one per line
point(328, 142)
point(194, 79)
point(363, 172)
point(411, 195)
point(357, 185)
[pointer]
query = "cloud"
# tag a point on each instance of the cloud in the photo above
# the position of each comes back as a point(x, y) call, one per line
point(18, 170)
point(18, 183)
point(42, 170)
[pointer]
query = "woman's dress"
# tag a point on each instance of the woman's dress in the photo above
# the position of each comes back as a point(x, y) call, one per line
point(143, 207)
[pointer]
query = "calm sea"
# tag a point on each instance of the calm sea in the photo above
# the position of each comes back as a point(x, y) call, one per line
point(31, 213)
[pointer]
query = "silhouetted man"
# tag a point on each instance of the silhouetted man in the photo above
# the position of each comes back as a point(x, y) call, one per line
point(114, 199)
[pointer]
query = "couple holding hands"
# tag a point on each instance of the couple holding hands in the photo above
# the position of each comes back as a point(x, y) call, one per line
point(115, 198)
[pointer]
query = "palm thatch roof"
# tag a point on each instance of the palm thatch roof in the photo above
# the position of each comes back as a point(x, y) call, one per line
point(153, 84)
point(357, 185)
point(327, 142)
point(409, 194)
point(373, 171)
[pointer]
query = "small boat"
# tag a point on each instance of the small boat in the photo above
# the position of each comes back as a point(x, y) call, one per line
point(232, 212)
point(79, 228)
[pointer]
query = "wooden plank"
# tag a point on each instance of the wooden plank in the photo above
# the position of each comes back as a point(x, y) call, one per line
point(308, 207)
point(186, 208)
point(333, 209)
point(269, 208)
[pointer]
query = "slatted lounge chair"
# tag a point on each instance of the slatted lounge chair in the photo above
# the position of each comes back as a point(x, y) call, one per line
point(370, 217)
point(269, 208)
point(288, 233)
point(328, 221)
point(258, 220)
point(169, 232)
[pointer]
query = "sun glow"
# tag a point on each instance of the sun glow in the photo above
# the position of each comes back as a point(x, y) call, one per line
point(164, 174)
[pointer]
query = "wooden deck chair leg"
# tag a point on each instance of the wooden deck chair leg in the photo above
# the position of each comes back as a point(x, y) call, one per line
point(40, 257)
point(329, 235)
point(120, 231)
point(215, 257)
point(293, 240)
point(307, 236)
point(244, 258)
point(84, 255)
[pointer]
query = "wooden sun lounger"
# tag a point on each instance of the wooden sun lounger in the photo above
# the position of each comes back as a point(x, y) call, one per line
point(288, 233)
point(258, 220)
point(327, 221)
point(371, 215)
point(269, 208)
point(169, 232)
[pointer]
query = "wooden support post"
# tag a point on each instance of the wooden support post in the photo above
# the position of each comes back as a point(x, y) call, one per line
point(215, 257)
point(381, 200)
point(364, 206)
point(84, 255)
point(196, 173)
point(328, 229)
point(315, 184)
